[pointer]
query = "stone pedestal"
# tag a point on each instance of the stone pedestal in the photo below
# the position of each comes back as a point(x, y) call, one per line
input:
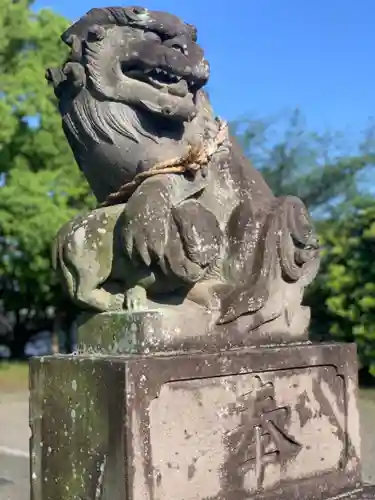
point(181, 328)
point(277, 422)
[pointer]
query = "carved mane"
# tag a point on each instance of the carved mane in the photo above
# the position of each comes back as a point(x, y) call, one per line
point(91, 119)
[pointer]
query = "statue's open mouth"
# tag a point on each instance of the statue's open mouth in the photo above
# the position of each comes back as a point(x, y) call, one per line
point(159, 78)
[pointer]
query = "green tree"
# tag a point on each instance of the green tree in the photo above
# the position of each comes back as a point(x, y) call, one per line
point(343, 297)
point(323, 169)
point(41, 186)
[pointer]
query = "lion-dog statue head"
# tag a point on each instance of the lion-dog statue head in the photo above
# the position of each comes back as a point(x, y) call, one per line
point(130, 93)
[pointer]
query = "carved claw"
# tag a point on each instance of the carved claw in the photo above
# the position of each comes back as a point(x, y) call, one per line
point(116, 302)
point(136, 299)
point(147, 219)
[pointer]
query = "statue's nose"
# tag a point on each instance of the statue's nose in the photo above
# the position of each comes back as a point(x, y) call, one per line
point(177, 43)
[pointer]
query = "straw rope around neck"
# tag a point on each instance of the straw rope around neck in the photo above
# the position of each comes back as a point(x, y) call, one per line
point(194, 160)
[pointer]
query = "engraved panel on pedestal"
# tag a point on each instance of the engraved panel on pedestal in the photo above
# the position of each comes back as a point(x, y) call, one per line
point(248, 432)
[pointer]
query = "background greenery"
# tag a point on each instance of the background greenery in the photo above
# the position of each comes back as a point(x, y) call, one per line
point(41, 188)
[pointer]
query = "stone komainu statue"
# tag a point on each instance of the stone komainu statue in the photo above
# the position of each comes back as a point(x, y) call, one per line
point(183, 217)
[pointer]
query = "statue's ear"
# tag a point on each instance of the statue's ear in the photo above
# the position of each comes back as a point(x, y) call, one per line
point(102, 17)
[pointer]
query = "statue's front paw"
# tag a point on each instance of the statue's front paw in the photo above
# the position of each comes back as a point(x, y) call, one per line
point(146, 226)
point(145, 240)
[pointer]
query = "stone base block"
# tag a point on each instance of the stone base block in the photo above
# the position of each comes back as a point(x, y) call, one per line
point(182, 328)
point(271, 423)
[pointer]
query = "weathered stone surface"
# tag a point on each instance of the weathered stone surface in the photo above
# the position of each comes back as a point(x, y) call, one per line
point(77, 415)
point(271, 423)
point(191, 219)
point(176, 329)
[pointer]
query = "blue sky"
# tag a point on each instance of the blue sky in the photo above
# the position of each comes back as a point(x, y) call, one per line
point(272, 55)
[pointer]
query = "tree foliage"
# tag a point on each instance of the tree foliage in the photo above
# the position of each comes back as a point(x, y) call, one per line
point(323, 169)
point(343, 297)
point(40, 185)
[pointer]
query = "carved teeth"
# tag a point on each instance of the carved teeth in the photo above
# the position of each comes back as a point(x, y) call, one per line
point(160, 78)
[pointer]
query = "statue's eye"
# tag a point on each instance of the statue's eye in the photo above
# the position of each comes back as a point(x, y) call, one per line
point(139, 13)
point(136, 15)
point(95, 33)
point(139, 10)
point(151, 35)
